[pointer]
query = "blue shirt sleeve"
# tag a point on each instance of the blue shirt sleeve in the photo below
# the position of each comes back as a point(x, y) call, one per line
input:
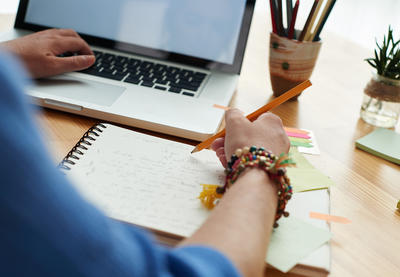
point(48, 229)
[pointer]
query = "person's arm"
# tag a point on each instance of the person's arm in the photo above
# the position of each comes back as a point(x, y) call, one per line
point(48, 229)
point(40, 51)
point(240, 225)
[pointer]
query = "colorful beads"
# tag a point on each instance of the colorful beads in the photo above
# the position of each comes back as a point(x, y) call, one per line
point(253, 149)
point(238, 152)
point(271, 164)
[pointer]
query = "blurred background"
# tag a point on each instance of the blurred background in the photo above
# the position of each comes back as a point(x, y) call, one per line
point(358, 20)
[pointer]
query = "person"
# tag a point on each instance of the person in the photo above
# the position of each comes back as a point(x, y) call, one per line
point(48, 229)
point(40, 52)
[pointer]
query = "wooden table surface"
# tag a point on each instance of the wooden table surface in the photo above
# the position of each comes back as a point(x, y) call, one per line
point(367, 187)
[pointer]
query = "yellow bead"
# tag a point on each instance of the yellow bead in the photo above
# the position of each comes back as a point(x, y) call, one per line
point(238, 152)
point(246, 150)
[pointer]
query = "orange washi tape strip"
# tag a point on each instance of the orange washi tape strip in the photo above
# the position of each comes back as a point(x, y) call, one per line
point(221, 107)
point(330, 218)
point(294, 130)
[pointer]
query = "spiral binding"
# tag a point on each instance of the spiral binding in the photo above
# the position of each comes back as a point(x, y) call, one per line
point(81, 146)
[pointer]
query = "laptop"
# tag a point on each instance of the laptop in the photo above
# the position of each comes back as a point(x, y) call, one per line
point(161, 65)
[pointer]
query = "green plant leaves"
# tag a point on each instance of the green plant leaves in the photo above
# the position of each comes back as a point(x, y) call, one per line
point(387, 57)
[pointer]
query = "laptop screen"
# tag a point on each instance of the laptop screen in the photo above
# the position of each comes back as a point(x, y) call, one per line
point(207, 30)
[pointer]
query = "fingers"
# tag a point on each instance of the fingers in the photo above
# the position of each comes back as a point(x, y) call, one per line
point(221, 156)
point(218, 143)
point(73, 63)
point(223, 161)
point(66, 40)
point(219, 147)
point(71, 44)
point(59, 32)
point(65, 32)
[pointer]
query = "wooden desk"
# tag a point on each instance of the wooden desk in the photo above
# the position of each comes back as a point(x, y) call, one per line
point(367, 188)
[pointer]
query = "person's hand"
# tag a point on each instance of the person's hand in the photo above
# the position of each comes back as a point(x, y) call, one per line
point(39, 52)
point(267, 131)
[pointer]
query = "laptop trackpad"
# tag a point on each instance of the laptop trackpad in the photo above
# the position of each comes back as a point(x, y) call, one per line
point(80, 89)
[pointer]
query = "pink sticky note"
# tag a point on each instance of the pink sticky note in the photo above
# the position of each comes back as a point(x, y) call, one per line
point(296, 135)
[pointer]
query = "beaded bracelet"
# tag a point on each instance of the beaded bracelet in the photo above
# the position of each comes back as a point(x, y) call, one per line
point(252, 157)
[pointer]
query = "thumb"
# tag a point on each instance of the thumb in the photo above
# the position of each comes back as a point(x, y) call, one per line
point(73, 63)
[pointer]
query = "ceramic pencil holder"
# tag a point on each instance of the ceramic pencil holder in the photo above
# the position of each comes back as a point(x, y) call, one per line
point(290, 62)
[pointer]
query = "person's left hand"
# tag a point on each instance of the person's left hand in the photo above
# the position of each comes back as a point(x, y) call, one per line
point(40, 52)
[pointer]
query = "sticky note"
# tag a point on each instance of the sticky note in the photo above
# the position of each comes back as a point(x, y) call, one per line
point(301, 161)
point(304, 140)
point(330, 218)
point(308, 179)
point(305, 177)
point(221, 107)
point(299, 140)
point(383, 143)
point(294, 130)
point(293, 240)
point(297, 135)
point(302, 144)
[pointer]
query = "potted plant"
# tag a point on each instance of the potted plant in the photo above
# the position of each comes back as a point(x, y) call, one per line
point(381, 104)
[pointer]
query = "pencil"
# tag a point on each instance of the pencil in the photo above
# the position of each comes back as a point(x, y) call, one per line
point(275, 8)
point(303, 33)
point(254, 115)
point(310, 27)
point(281, 29)
point(273, 16)
point(321, 24)
point(293, 21)
point(289, 12)
point(320, 19)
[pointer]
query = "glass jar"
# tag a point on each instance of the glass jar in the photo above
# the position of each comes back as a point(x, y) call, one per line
point(381, 103)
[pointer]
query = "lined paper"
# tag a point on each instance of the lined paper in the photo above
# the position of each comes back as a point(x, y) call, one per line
point(154, 183)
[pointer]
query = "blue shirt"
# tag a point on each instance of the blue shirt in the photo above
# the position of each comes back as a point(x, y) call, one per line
point(48, 229)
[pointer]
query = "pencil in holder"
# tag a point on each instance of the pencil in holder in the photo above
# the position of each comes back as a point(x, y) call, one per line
point(290, 62)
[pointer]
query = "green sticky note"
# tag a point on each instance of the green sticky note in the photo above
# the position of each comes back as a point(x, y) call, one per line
point(293, 240)
point(301, 161)
point(305, 176)
point(299, 140)
point(305, 179)
point(302, 144)
point(383, 143)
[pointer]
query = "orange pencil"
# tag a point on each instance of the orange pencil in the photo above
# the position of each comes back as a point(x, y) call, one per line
point(254, 115)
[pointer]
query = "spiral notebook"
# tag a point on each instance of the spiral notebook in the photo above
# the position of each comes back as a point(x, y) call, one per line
point(154, 183)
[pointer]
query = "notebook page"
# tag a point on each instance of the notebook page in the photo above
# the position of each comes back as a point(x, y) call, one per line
point(147, 180)
point(154, 183)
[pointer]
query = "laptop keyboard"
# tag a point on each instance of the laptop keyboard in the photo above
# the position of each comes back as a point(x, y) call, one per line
point(147, 74)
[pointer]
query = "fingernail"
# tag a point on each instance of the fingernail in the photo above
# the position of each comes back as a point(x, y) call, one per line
point(88, 58)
